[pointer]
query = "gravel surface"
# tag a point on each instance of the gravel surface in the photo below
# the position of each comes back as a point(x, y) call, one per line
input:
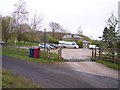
point(76, 54)
point(92, 68)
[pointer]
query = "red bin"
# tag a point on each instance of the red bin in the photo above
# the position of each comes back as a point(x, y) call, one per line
point(36, 52)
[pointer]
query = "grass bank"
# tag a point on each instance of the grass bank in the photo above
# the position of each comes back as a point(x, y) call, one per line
point(9, 80)
point(109, 64)
point(24, 55)
point(12, 43)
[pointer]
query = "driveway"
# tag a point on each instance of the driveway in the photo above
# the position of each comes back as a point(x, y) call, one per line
point(76, 54)
point(74, 58)
point(92, 68)
point(56, 76)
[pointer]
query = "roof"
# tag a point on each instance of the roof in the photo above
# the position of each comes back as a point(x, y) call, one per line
point(76, 36)
point(67, 36)
point(86, 41)
point(70, 36)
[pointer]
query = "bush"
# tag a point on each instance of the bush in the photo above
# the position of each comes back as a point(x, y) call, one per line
point(80, 44)
point(95, 42)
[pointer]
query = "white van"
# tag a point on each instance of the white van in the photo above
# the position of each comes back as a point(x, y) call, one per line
point(92, 46)
point(66, 44)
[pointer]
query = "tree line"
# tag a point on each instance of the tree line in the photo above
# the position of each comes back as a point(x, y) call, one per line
point(20, 27)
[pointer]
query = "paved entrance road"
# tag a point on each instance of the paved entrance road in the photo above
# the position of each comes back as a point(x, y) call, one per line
point(55, 76)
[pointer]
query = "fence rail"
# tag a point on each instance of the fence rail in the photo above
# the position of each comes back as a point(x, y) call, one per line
point(107, 54)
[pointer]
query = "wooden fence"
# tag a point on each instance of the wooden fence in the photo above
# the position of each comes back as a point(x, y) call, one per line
point(107, 54)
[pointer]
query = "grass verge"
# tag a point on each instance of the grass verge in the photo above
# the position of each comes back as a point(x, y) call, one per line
point(24, 55)
point(109, 64)
point(10, 80)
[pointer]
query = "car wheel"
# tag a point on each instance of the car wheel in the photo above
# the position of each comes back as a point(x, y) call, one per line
point(64, 47)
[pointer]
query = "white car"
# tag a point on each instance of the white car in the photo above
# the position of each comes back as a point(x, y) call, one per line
point(92, 46)
point(45, 46)
point(66, 44)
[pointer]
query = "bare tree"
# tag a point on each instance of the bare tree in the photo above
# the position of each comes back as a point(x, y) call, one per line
point(55, 28)
point(35, 24)
point(21, 16)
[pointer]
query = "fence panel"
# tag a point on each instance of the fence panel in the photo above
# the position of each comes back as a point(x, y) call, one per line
point(108, 54)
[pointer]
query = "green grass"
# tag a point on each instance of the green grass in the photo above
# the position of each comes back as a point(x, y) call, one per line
point(10, 80)
point(24, 55)
point(109, 64)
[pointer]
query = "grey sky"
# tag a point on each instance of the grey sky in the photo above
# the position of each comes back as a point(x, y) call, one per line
point(90, 15)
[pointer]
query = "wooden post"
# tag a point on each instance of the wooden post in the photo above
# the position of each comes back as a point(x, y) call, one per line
point(95, 53)
point(100, 53)
point(113, 53)
point(92, 52)
point(48, 53)
point(59, 53)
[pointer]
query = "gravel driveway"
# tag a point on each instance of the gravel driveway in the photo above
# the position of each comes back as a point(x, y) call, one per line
point(73, 55)
point(92, 68)
point(76, 54)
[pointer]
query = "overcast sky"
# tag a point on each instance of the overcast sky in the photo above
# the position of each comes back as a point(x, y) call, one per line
point(90, 15)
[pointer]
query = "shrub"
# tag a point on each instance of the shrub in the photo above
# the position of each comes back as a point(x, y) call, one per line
point(52, 40)
point(80, 44)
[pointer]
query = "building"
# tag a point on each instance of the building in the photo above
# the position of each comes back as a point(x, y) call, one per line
point(76, 37)
point(86, 44)
point(72, 37)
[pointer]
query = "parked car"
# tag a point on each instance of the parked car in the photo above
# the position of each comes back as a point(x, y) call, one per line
point(53, 45)
point(2, 43)
point(66, 44)
point(45, 46)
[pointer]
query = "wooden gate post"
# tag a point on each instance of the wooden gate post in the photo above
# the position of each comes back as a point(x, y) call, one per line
point(100, 53)
point(59, 53)
point(92, 53)
point(48, 53)
point(95, 53)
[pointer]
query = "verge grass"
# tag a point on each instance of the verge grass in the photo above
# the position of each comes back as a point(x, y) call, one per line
point(24, 55)
point(109, 64)
point(10, 80)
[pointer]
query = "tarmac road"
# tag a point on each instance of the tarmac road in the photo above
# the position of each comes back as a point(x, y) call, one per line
point(56, 76)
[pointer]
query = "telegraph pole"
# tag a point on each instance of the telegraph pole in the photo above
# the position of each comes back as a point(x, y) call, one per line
point(44, 39)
